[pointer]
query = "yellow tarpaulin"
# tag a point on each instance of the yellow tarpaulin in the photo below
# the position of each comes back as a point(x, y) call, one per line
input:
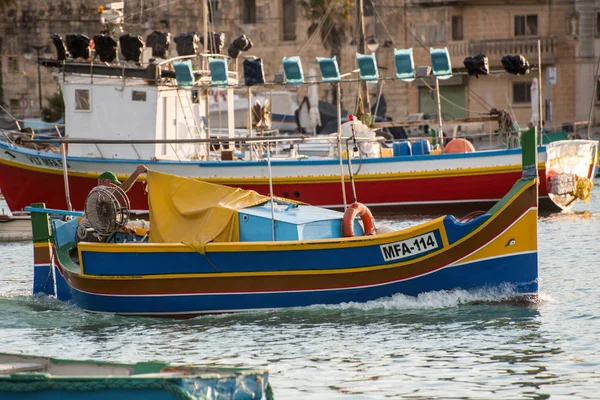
point(184, 210)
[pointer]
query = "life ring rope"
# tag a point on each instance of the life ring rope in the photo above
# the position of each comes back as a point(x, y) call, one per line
point(362, 211)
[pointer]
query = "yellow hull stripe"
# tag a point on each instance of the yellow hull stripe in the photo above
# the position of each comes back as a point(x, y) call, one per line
point(519, 232)
point(524, 221)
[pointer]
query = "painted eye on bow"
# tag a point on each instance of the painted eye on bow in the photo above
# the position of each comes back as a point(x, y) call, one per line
point(510, 242)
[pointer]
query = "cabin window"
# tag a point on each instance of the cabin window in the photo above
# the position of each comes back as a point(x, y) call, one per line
point(522, 92)
point(457, 27)
point(82, 100)
point(249, 11)
point(289, 20)
point(526, 25)
point(138, 95)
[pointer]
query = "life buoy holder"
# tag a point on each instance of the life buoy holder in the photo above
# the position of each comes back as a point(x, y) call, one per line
point(354, 210)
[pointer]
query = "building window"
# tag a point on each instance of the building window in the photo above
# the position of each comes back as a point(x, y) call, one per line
point(598, 90)
point(368, 8)
point(457, 27)
point(522, 92)
point(597, 25)
point(431, 31)
point(13, 64)
point(441, 32)
point(249, 11)
point(289, 20)
point(15, 104)
point(526, 25)
point(213, 10)
point(138, 95)
point(82, 100)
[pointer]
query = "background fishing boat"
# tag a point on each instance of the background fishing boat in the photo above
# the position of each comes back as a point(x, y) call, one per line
point(173, 137)
point(33, 377)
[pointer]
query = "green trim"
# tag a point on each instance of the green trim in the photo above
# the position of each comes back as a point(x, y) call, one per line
point(529, 139)
point(511, 195)
point(149, 367)
point(40, 225)
point(63, 256)
point(530, 172)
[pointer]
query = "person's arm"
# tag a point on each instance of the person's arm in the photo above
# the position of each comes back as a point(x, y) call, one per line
point(131, 180)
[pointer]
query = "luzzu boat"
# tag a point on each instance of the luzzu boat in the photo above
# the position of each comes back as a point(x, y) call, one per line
point(36, 378)
point(214, 249)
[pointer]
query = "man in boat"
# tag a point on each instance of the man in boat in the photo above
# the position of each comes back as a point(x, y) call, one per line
point(108, 178)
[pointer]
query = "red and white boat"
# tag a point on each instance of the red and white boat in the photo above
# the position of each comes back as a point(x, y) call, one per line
point(118, 117)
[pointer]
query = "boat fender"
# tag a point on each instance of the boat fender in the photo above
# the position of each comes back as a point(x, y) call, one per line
point(221, 93)
point(353, 210)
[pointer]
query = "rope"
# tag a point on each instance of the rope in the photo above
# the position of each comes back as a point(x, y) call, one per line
point(318, 28)
point(384, 26)
point(133, 14)
point(471, 216)
point(583, 189)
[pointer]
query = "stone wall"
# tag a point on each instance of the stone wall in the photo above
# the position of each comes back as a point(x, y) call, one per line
point(31, 22)
point(570, 28)
point(490, 25)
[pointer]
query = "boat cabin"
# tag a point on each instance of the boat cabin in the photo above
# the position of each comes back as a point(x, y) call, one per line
point(113, 108)
point(291, 222)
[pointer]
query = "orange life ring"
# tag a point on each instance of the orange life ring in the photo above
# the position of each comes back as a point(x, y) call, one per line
point(365, 215)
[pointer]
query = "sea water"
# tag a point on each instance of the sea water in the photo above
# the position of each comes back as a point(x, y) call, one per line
point(444, 345)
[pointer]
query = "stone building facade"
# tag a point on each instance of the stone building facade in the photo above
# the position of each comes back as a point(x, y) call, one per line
point(569, 50)
point(569, 34)
point(277, 28)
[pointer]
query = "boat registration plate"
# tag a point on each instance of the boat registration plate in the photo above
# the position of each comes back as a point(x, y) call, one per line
point(409, 247)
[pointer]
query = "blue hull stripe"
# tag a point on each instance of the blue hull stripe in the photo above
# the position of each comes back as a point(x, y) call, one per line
point(492, 272)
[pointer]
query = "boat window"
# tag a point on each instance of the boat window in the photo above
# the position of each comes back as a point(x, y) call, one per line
point(82, 100)
point(138, 95)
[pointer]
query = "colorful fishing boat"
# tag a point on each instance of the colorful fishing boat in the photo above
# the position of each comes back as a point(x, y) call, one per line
point(215, 249)
point(34, 377)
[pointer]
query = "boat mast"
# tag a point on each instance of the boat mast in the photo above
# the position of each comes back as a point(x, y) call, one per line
point(205, 67)
point(360, 43)
point(440, 134)
point(539, 48)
